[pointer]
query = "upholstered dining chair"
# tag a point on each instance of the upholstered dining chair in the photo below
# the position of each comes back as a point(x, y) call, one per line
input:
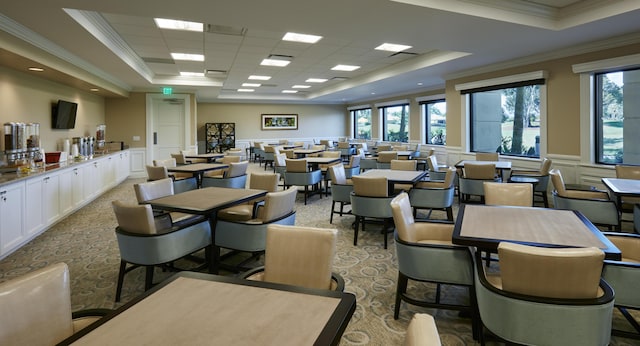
point(353, 167)
point(345, 150)
point(422, 331)
point(594, 204)
point(227, 159)
point(172, 163)
point(624, 278)
point(269, 154)
point(542, 174)
point(425, 254)
point(298, 174)
point(161, 188)
point(156, 172)
point(258, 152)
point(234, 177)
point(180, 159)
point(404, 165)
point(383, 147)
point(192, 152)
point(299, 256)
point(324, 166)
point(628, 172)
point(384, 159)
point(250, 236)
point(509, 194)
point(545, 296)
point(341, 189)
point(147, 241)
point(473, 178)
point(434, 195)
point(480, 156)
point(35, 308)
point(247, 211)
point(436, 171)
point(370, 201)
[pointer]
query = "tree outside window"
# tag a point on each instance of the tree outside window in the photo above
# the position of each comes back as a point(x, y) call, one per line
point(395, 121)
point(435, 113)
point(362, 123)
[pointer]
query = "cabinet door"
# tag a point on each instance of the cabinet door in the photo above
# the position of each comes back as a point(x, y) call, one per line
point(92, 179)
point(77, 185)
point(11, 217)
point(34, 221)
point(66, 192)
point(51, 198)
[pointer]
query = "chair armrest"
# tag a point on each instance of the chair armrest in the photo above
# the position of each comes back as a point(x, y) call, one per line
point(91, 312)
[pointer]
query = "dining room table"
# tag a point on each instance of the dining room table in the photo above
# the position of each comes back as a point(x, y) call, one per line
point(300, 153)
point(485, 227)
point(622, 188)
point(198, 169)
point(210, 157)
point(202, 309)
point(315, 162)
point(502, 166)
point(395, 176)
point(207, 201)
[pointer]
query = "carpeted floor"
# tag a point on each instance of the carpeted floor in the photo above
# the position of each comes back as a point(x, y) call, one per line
point(86, 242)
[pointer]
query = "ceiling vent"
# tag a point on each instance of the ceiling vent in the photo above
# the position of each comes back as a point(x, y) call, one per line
point(225, 30)
point(216, 73)
point(402, 53)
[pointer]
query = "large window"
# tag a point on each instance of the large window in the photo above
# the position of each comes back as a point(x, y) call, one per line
point(617, 118)
point(506, 119)
point(435, 115)
point(395, 123)
point(362, 123)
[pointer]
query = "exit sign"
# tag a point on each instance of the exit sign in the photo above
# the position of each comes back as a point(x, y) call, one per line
point(167, 91)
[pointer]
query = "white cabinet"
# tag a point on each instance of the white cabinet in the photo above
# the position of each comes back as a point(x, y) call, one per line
point(66, 192)
point(43, 202)
point(11, 216)
point(77, 187)
point(92, 179)
point(51, 198)
point(34, 221)
point(122, 166)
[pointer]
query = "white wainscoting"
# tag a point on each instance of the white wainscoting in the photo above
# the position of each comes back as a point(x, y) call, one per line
point(138, 157)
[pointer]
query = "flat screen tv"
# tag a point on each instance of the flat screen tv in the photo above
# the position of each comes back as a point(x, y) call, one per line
point(63, 115)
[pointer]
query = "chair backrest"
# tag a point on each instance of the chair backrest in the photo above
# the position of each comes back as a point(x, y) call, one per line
point(354, 161)
point(157, 172)
point(230, 158)
point(327, 143)
point(558, 182)
point(344, 145)
point(280, 160)
point(479, 170)
point(189, 152)
point(134, 218)
point(370, 186)
point(264, 181)
point(299, 144)
point(153, 189)
point(289, 153)
point(487, 156)
point(572, 273)
point(383, 147)
point(422, 331)
point(432, 163)
point(318, 147)
point(300, 256)
point(297, 165)
point(236, 169)
point(36, 307)
point(361, 153)
point(180, 160)
point(165, 162)
point(404, 165)
point(278, 204)
point(404, 222)
point(269, 149)
point(510, 194)
point(331, 154)
point(449, 177)
point(283, 141)
point(387, 156)
point(627, 172)
point(338, 175)
point(400, 147)
point(545, 166)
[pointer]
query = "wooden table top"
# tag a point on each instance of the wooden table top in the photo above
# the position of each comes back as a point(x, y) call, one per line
point(307, 151)
point(197, 167)
point(626, 187)
point(395, 176)
point(200, 309)
point(206, 200)
point(326, 160)
point(485, 226)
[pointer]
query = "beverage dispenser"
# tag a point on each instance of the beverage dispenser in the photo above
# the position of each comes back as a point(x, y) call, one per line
point(100, 138)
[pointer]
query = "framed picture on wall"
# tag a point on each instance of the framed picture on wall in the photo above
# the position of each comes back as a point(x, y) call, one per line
point(279, 121)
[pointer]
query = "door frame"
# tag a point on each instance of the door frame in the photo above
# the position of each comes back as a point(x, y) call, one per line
point(186, 98)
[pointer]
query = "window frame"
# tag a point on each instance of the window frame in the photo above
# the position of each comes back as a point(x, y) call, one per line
point(353, 112)
point(427, 120)
point(383, 115)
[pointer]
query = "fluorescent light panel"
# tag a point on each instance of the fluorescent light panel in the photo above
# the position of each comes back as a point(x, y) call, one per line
point(316, 80)
point(345, 68)
point(246, 90)
point(275, 62)
point(299, 86)
point(255, 77)
point(304, 38)
point(189, 57)
point(392, 47)
point(289, 91)
point(173, 24)
point(192, 74)
point(251, 85)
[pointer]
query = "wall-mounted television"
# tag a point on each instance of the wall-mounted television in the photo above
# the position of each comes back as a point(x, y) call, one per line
point(63, 115)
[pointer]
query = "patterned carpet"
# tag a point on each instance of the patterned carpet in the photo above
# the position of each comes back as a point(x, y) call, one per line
point(86, 242)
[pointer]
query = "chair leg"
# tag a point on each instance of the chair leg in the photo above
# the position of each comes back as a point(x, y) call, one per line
point(333, 205)
point(355, 231)
point(401, 289)
point(121, 272)
point(450, 213)
point(148, 281)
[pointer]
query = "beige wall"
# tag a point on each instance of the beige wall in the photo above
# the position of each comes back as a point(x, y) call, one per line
point(314, 121)
point(25, 98)
point(126, 117)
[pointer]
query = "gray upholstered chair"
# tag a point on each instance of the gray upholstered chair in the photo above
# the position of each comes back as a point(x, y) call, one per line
point(545, 296)
point(250, 236)
point(422, 331)
point(511, 194)
point(324, 166)
point(436, 171)
point(434, 195)
point(162, 188)
point(269, 155)
point(353, 167)
point(227, 159)
point(35, 308)
point(147, 241)
point(368, 163)
point(297, 174)
point(594, 204)
point(235, 177)
point(258, 152)
point(299, 256)
point(370, 201)
point(471, 183)
point(247, 211)
point(384, 159)
point(542, 174)
point(624, 278)
point(346, 150)
point(426, 254)
point(341, 189)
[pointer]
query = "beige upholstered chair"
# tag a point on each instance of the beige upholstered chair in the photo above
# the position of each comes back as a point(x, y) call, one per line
point(250, 236)
point(436, 171)
point(425, 253)
point(422, 331)
point(545, 296)
point(234, 177)
point(384, 159)
point(511, 194)
point(299, 256)
point(353, 167)
point(247, 211)
point(269, 155)
point(35, 308)
point(404, 165)
point(487, 156)
point(143, 241)
point(542, 175)
point(192, 152)
point(341, 189)
point(180, 159)
point(227, 159)
point(383, 147)
point(161, 188)
point(328, 144)
point(434, 195)
point(471, 183)
point(370, 201)
point(156, 173)
point(594, 204)
point(628, 172)
point(297, 174)
point(172, 163)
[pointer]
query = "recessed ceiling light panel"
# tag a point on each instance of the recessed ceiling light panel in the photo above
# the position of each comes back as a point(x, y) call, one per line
point(36, 69)
point(246, 90)
point(345, 68)
point(251, 85)
point(304, 38)
point(289, 91)
point(173, 24)
point(256, 77)
point(392, 47)
point(192, 74)
point(316, 80)
point(189, 57)
point(275, 62)
point(299, 86)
